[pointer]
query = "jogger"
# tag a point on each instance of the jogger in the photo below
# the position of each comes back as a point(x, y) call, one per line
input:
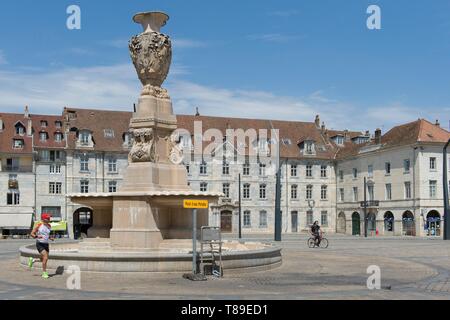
point(42, 235)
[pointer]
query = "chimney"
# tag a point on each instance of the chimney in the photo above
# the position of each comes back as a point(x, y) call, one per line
point(346, 135)
point(197, 113)
point(437, 123)
point(26, 113)
point(29, 128)
point(378, 136)
point(317, 121)
point(323, 127)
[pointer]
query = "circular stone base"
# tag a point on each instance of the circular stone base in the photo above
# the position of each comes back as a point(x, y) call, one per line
point(236, 256)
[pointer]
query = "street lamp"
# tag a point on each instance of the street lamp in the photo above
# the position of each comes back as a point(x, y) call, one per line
point(446, 200)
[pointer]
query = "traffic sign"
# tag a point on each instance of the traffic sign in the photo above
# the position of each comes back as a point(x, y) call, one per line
point(196, 204)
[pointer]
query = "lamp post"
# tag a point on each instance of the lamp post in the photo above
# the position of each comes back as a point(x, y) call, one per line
point(446, 203)
point(365, 207)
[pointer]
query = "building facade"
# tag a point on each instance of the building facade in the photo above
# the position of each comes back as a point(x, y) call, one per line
point(322, 171)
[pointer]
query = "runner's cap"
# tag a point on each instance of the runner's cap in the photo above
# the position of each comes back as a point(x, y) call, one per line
point(46, 216)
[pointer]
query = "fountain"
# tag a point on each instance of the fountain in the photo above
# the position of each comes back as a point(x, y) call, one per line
point(144, 226)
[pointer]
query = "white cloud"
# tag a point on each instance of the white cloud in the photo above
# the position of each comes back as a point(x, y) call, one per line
point(116, 87)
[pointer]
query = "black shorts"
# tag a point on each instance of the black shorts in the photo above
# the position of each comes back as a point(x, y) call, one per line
point(42, 247)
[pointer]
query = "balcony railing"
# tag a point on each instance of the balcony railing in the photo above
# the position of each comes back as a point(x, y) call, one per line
point(370, 204)
point(17, 168)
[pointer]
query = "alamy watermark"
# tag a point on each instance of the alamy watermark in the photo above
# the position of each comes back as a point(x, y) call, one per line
point(374, 280)
point(74, 280)
point(74, 19)
point(374, 20)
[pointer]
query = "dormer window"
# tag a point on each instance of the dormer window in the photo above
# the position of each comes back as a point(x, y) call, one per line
point(108, 133)
point(85, 137)
point(309, 147)
point(44, 124)
point(20, 129)
point(18, 144)
point(58, 124)
point(43, 136)
point(58, 137)
point(339, 140)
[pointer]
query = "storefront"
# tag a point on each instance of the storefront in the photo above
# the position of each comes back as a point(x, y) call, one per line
point(433, 224)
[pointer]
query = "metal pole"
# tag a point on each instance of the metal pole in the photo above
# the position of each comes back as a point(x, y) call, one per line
point(278, 208)
point(194, 241)
point(446, 200)
point(240, 209)
point(365, 207)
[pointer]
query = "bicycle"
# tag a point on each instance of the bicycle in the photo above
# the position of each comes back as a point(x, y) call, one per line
point(323, 243)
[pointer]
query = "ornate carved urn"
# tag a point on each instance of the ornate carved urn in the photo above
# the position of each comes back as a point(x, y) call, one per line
point(155, 156)
point(151, 51)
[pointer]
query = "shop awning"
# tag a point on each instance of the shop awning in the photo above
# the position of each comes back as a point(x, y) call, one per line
point(21, 221)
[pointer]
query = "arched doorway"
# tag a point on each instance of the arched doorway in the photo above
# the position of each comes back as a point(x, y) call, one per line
point(433, 224)
point(372, 223)
point(82, 220)
point(409, 224)
point(341, 223)
point(388, 222)
point(356, 224)
point(226, 221)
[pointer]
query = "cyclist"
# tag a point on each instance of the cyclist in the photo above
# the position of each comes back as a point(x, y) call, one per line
point(316, 233)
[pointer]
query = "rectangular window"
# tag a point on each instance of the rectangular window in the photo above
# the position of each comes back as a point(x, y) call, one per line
point(355, 173)
point(341, 175)
point(263, 219)
point(188, 169)
point(433, 189)
point(246, 191)
point(355, 194)
point(323, 171)
point(371, 193)
point(18, 144)
point(226, 190)
point(293, 170)
point(370, 171)
point(246, 169)
point(294, 192)
point(112, 165)
point(432, 163)
point(309, 218)
point(203, 187)
point(309, 192)
point(43, 136)
point(341, 195)
point(55, 187)
point(13, 198)
point(44, 155)
point(84, 163)
point(387, 167)
point(324, 218)
point(388, 191)
point(55, 155)
point(406, 165)
point(226, 169)
point(203, 168)
point(309, 171)
point(262, 191)
point(407, 190)
point(112, 186)
point(324, 193)
point(309, 147)
point(84, 186)
point(262, 169)
point(247, 219)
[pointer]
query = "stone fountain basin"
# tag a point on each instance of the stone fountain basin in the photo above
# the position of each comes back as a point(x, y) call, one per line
point(172, 256)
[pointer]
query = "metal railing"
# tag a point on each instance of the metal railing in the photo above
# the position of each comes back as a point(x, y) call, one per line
point(17, 168)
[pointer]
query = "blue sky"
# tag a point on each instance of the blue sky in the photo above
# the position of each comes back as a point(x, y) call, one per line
point(284, 59)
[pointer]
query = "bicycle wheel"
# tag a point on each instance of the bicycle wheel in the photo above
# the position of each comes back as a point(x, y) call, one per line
point(311, 243)
point(324, 243)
